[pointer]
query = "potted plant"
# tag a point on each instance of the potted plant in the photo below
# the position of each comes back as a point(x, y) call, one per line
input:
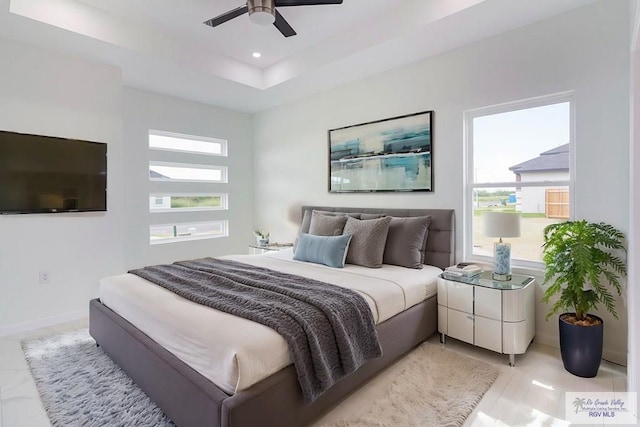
point(582, 269)
point(262, 237)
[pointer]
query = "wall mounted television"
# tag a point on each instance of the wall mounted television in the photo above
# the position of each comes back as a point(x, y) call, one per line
point(44, 174)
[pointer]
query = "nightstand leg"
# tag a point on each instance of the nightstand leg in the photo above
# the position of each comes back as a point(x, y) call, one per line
point(442, 338)
point(512, 360)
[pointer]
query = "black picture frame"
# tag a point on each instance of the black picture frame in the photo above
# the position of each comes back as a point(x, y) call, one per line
point(389, 155)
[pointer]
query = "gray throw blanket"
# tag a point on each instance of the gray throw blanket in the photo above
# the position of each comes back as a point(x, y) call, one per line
point(330, 330)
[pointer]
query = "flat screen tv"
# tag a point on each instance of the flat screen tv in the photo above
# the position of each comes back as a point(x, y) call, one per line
point(43, 174)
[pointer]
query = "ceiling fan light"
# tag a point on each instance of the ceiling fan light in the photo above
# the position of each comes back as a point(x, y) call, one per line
point(262, 12)
point(262, 17)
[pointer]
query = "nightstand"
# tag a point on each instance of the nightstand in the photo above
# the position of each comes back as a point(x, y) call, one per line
point(261, 249)
point(496, 315)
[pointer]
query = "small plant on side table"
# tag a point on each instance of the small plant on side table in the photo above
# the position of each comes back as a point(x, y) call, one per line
point(262, 237)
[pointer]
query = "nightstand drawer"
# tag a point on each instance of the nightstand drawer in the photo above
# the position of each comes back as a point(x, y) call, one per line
point(488, 334)
point(460, 296)
point(515, 304)
point(442, 291)
point(488, 303)
point(460, 325)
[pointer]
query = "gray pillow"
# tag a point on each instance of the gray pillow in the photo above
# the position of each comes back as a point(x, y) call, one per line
point(326, 225)
point(368, 241)
point(406, 240)
point(306, 218)
point(333, 213)
point(306, 222)
point(327, 250)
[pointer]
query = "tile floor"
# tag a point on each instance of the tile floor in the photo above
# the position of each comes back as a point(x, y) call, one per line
point(20, 402)
point(530, 394)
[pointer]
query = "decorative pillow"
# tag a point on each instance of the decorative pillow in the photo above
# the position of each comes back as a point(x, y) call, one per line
point(306, 222)
point(326, 225)
point(405, 241)
point(368, 241)
point(327, 250)
point(306, 219)
point(333, 213)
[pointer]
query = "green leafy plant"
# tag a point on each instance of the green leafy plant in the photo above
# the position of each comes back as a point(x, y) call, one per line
point(580, 261)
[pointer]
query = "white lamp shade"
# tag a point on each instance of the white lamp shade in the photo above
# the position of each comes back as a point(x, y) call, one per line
point(501, 224)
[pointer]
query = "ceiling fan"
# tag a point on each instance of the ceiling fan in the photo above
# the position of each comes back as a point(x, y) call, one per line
point(264, 12)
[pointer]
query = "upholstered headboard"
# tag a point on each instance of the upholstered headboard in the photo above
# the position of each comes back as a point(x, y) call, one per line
point(440, 244)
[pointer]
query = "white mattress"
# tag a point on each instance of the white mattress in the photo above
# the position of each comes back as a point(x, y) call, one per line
point(235, 353)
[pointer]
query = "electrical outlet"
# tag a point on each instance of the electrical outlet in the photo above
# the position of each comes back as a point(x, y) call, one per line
point(44, 277)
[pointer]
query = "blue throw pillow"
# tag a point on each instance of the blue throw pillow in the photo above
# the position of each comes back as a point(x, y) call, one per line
point(327, 250)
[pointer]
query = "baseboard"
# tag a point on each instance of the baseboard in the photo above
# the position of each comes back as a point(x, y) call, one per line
point(547, 339)
point(617, 357)
point(43, 323)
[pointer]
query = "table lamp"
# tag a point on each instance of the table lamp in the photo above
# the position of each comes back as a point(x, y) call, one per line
point(501, 224)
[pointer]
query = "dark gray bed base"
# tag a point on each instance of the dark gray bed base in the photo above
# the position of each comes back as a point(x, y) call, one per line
point(189, 399)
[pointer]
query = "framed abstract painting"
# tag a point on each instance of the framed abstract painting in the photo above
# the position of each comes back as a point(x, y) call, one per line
point(393, 154)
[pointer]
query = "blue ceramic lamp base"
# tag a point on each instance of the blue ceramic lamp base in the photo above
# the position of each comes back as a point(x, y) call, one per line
point(501, 261)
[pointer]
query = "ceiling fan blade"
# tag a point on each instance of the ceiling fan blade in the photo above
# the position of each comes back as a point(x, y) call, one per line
point(221, 19)
point(283, 26)
point(284, 3)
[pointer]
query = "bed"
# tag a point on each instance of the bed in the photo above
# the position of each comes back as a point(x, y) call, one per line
point(189, 396)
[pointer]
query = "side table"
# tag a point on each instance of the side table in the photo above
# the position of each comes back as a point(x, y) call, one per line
point(496, 315)
point(261, 249)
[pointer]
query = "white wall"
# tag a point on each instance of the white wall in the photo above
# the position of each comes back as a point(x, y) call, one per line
point(46, 93)
point(586, 50)
point(633, 371)
point(147, 110)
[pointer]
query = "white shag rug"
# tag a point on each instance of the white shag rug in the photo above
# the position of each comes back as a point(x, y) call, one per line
point(435, 387)
point(81, 386)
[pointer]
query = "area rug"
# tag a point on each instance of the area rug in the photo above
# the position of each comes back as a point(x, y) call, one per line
point(435, 387)
point(80, 386)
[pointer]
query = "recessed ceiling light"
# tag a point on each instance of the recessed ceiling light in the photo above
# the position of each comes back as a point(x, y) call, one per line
point(256, 54)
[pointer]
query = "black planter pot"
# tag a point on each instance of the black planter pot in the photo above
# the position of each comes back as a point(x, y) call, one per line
point(581, 347)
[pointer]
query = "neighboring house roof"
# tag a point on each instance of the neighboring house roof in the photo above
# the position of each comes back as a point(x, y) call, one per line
point(154, 174)
point(556, 159)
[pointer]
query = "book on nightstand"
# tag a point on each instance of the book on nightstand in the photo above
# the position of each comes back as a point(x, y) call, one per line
point(462, 270)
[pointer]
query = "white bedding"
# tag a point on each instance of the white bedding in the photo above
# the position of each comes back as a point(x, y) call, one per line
point(235, 353)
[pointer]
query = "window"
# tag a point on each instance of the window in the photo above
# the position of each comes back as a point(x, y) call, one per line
point(519, 159)
point(159, 140)
point(187, 202)
point(165, 171)
point(179, 232)
point(187, 173)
